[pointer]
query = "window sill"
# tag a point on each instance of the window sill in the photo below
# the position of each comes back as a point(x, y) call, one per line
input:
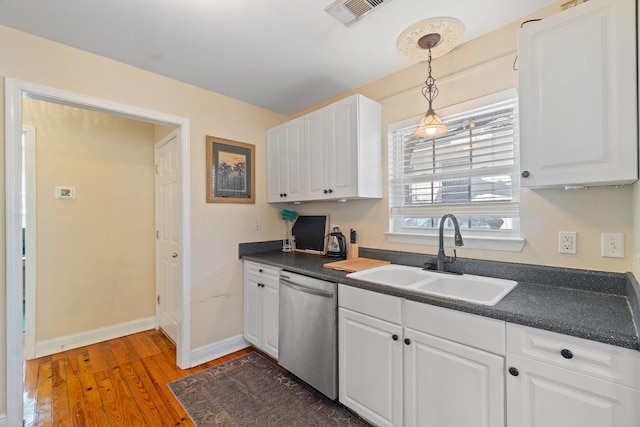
point(508, 244)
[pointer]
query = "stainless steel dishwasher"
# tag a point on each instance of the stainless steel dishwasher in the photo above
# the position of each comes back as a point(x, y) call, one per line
point(308, 331)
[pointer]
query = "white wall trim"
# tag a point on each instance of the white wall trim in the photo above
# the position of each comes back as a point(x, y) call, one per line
point(3, 420)
point(68, 342)
point(507, 244)
point(14, 92)
point(216, 350)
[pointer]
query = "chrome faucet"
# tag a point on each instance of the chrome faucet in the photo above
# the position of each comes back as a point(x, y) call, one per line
point(442, 260)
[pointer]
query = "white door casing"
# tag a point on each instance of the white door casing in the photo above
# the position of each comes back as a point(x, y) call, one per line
point(30, 288)
point(168, 259)
point(15, 90)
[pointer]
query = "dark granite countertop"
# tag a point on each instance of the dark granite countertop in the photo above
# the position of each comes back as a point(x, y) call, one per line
point(601, 310)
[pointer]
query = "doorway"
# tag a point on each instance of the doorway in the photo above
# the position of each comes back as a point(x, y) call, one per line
point(15, 90)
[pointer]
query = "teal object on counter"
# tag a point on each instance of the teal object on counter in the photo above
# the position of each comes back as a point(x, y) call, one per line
point(288, 215)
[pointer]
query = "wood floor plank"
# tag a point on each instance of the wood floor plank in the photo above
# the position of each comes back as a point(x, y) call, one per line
point(152, 387)
point(44, 415)
point(102, 358)
point(112, 408)
point(130, 408)
point(92, 398)
point(30, 390)
point(162, 341)
point(60, 397)
point(75, 391)
point(123, 351)
point(144, 400)
point(144, 345)
point(159, 375)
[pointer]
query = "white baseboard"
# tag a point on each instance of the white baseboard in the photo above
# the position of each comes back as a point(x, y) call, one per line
point(68, 342)
point(213, 351)
point(3, 420)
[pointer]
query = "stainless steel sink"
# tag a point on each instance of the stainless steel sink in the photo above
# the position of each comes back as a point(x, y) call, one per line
point(467, 287)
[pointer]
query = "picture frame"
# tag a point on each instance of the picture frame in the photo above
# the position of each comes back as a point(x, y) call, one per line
point(230, 171)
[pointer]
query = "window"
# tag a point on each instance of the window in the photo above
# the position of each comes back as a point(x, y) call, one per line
point(472, 171)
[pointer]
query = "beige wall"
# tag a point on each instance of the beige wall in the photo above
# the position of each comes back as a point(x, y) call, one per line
point(216, 228)
point(474, 69)
point(95, 254)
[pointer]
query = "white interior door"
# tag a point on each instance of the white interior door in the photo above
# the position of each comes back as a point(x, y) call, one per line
point(168, 259)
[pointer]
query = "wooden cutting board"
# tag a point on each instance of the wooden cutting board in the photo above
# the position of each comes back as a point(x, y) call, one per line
point(355, 264)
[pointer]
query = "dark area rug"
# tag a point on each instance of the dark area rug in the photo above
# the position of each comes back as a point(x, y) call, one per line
point(252, 391)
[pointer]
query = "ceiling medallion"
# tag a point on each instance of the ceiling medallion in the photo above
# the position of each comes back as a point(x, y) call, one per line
point(449, 29)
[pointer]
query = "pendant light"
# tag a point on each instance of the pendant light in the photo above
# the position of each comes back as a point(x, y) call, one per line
point(431, 125)
point(429, 39)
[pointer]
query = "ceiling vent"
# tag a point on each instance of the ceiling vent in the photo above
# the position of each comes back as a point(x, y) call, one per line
point(351, 11)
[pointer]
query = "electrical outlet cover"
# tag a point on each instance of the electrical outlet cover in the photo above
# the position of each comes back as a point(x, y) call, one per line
point(567, 242)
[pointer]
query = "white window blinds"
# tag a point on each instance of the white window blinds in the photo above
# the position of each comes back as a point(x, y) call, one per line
point(472, 171)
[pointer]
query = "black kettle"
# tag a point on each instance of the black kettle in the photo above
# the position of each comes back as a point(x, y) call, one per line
point(336, 244)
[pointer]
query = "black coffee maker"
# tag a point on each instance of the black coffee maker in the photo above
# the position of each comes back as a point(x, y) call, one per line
point(336, 244)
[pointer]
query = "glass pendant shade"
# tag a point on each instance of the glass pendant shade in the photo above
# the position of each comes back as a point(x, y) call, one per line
point(431, 126)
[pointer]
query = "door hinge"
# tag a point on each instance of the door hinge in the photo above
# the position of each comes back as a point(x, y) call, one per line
point(158, 299)
point(157, 169)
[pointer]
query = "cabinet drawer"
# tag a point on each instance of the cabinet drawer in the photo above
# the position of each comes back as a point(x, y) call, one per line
point(264, 272)
point(612, 363)
point(381, 306)
point(464, 328)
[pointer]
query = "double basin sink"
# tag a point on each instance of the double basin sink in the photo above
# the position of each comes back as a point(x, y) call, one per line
point(466, 287)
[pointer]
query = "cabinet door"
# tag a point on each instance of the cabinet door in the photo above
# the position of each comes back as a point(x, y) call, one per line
point(578, 115)
point(449, 384)
point(542, 395)
point(252, 316)
point(343, 148)
point(370, 361)
point(270, 298)
point(285, 154)
point(317, 156)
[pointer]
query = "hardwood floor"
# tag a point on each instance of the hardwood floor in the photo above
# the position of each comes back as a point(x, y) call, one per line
point(121, 382)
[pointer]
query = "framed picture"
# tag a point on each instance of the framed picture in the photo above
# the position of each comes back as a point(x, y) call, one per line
point(230, 171)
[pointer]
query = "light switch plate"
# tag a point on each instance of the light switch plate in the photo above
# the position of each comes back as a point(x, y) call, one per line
point(613, 245)
point(65, 192)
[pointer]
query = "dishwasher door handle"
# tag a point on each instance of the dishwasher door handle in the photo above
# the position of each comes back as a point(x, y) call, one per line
point(302, 288)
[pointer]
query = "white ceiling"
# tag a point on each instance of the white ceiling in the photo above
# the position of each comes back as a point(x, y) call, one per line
point(283, 55)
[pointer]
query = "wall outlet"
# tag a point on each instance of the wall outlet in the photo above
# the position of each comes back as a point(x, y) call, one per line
point(257, 224)
point(613, 245)
point(567, 242)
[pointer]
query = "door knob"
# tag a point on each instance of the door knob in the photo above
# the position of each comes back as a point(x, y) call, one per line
point(174, 255)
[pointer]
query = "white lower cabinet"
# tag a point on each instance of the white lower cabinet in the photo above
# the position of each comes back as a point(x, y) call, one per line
point(261, 302)
point(449, 384)
point(370, 362)
point(394, 374)
point(555, 380)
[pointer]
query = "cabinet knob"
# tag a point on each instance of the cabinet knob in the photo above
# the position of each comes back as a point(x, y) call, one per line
point(394, 337)
point(514, 372)
point(260, 270)
point(330, 191)
point(567, 354)
point(260, 285)
point(325, 191)
point(407, 341)
point(525, 174)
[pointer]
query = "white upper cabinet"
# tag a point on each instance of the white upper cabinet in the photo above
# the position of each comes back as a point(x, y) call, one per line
point(285, 155)
point(342, 153)
point(578, 97)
